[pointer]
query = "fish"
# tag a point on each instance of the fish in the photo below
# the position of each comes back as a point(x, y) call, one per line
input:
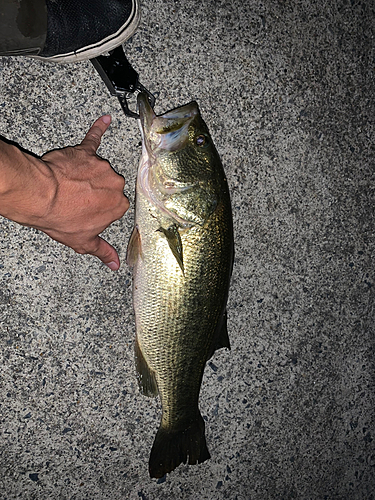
point(181, 250)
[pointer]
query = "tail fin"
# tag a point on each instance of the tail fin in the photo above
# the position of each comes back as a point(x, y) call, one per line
point(171, 448)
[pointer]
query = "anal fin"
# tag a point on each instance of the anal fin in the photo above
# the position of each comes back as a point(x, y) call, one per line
point(146, 377)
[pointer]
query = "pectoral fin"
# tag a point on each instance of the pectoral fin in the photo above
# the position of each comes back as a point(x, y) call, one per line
point(134, 249)
point(175, 243)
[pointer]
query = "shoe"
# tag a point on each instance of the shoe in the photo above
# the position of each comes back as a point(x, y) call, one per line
point(74, 30)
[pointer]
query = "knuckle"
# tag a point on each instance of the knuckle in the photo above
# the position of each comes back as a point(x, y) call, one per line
point(81, 249)
point(121, 182)
point(106, 164)
point(87, 247)
point(121, 211)
point(125, 204)
point(94, 137)
point(106, 254)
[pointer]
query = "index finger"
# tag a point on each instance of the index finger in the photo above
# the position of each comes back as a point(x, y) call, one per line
point(93, 137)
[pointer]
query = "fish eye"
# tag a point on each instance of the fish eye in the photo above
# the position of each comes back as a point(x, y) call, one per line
point(201, 140)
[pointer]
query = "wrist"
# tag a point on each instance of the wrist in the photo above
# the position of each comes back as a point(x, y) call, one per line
point(27, 186)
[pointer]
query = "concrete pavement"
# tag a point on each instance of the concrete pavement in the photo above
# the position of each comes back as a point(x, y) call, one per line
point(287, 90)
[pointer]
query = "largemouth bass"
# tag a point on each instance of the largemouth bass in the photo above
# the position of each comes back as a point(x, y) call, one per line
point(181, 249)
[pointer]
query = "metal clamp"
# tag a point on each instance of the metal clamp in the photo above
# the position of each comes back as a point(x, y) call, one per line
point(120, 78)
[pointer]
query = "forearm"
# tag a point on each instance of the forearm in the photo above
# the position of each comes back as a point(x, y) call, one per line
point(27, 186)
point(71, 194)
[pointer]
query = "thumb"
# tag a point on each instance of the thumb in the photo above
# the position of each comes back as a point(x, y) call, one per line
point(106, 253)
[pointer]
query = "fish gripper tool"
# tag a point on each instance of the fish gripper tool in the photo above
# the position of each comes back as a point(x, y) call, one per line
point(120, 78)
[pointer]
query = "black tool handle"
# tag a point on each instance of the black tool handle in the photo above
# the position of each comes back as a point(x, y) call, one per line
point(116, 72)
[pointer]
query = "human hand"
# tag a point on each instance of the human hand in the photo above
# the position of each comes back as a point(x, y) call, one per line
point(88, 197)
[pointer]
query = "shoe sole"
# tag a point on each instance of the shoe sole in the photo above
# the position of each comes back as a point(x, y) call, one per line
point(105, 45)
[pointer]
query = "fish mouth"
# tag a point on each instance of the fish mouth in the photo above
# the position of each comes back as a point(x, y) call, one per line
point(167, 132)
point(162, 135)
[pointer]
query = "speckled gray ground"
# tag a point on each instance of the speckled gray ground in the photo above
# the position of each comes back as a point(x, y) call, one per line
point(287, 89)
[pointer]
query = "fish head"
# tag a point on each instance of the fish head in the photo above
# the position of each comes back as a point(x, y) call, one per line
point(179, 165)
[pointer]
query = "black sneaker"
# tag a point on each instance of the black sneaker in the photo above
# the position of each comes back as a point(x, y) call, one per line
point(66, 30)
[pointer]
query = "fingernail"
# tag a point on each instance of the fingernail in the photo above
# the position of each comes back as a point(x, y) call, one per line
point(106, 119)
point(113, 266)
